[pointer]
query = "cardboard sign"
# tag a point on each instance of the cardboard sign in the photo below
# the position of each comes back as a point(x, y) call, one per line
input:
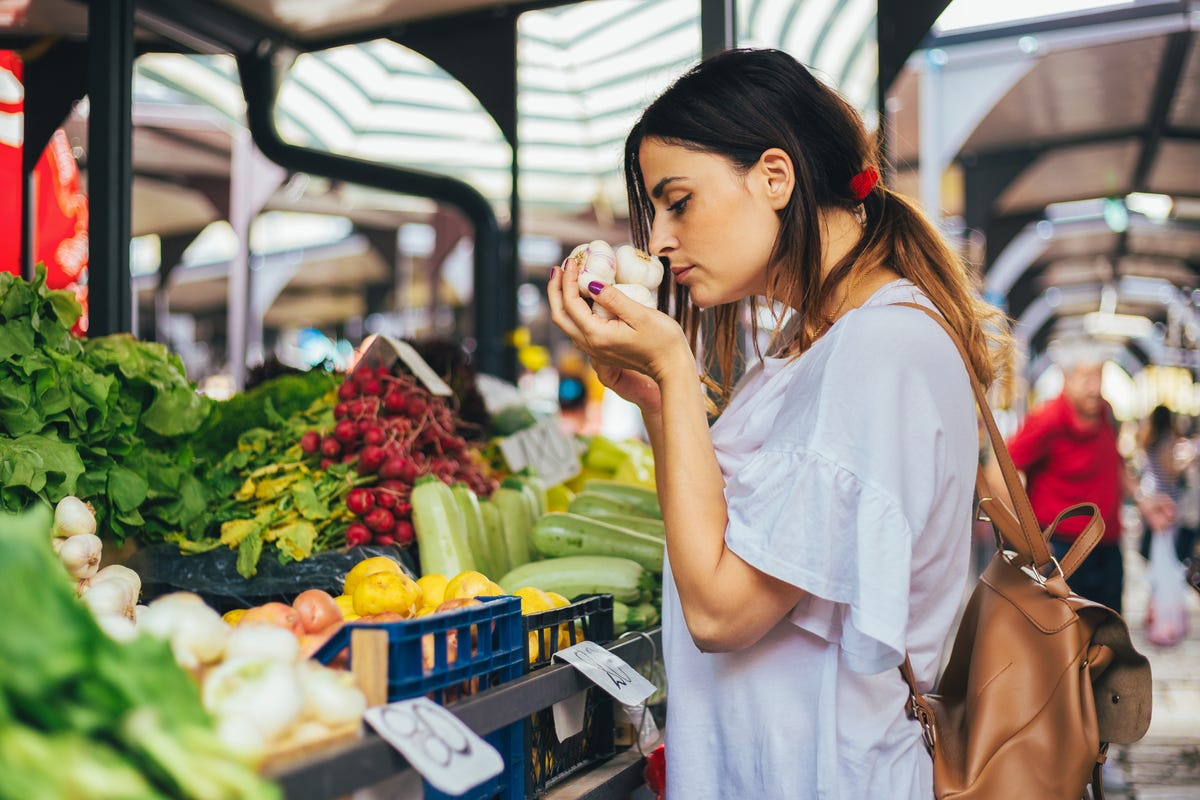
point(384, 351)
point(610, 672)
point(552, 453)
point(448, 754)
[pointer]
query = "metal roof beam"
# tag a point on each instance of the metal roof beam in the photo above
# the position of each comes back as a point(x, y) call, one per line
point(205, 27)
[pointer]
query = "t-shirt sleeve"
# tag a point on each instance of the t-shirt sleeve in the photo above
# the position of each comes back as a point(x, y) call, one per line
point(857, 578)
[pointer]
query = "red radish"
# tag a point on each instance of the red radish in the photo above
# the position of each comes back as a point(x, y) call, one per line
point(395, 401)
point(363, 425)
point(394, 467)
point(331, 447)
point(402, 532)
point(397, 487)
point(326, 463)
point(385, 539)
point(373, 434)
point(372, 386)
point(360, 501)
point(385, 499)
point(416, 406)
point(341, 409)
point(403, 509)
point(383, 372)
point(380, 520)
point(356, 534)
point(348, 389)
point(345, 431)
point(370, 459)
point(310, 442)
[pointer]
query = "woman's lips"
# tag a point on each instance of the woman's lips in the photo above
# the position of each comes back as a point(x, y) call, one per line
point(680, 272)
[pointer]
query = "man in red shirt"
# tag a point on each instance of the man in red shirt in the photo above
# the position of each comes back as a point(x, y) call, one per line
point(1067, 449)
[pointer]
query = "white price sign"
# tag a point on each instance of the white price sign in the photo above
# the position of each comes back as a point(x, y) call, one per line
point(610, 672)
point(544, 447)
point(448, 754)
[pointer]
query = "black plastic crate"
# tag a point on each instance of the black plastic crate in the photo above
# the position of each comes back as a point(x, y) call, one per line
point(548, 760)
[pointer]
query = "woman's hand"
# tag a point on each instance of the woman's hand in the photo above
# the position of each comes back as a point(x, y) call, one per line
point(630, 353)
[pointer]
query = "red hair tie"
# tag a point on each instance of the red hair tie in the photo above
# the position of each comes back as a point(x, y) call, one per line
point(862, 183)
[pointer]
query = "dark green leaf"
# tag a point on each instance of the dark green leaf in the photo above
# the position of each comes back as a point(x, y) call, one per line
point(126, 489)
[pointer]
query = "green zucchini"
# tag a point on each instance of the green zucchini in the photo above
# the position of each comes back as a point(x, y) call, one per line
point(596, 504)
point(643, 499)
point(572, 576)
point(565, 534)
point(493, 528)
point(516, 516)
point(477, 540)
point(440, 529)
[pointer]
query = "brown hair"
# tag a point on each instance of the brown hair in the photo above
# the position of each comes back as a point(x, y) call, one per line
point(740, 103)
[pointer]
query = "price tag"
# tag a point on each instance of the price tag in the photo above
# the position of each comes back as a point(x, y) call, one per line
point(448, 754)
point(544, 447)
point(608, 671)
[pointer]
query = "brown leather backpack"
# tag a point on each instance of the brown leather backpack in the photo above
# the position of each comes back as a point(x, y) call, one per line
point(1040, 680)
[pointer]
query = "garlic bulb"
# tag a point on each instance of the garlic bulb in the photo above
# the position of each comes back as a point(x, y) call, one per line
point(116, 572)
point(110, 597)
point(72, 516)
point(80, 554)
point(596, 261)
point(638, 266)
point(196, 632)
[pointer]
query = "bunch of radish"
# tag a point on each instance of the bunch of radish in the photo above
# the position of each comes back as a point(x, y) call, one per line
point(396, 430)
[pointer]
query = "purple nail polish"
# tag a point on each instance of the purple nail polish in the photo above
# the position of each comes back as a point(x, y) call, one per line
point(595, 287)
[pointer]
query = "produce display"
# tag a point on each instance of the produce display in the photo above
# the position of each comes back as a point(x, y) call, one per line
point(104, 440)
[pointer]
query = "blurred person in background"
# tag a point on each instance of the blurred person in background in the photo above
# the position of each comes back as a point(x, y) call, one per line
point(1067, 450)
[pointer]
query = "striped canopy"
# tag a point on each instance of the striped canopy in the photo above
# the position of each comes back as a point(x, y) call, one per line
point(584, 73)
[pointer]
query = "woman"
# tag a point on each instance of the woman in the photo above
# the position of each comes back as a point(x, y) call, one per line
point(821, 528)
point(1166, 614)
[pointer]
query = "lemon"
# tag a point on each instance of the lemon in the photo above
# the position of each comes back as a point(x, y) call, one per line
point(425, 611)
point(558, 497)
point(369, 566)
point(533, 600)
point(234, 616)
point(386, 591)
point(433, 588)
point(557, 599)
point(346, 603)
point(564, 636)
point(470, 584)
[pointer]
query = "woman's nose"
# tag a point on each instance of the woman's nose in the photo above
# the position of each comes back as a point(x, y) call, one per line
point(662, 242)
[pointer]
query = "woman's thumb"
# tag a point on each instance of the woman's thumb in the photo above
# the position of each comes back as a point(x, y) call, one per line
point(619, 299)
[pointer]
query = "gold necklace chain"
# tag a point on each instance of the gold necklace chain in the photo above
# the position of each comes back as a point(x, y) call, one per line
point(830, 319)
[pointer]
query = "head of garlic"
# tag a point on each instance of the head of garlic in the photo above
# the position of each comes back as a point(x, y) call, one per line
point(196, 632)
point(638, 266)
point(72, 516)
point(596, 261)
point(80, 554)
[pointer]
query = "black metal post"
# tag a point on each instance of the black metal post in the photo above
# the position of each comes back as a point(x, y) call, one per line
point(718, 26)
point(110, 146)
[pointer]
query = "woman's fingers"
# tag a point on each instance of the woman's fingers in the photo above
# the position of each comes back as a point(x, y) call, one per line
point(558, 315)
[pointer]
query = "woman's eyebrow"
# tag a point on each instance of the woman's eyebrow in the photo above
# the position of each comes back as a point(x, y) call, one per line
point(657, 191)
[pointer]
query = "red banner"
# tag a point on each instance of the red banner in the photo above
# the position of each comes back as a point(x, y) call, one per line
point(60, 207)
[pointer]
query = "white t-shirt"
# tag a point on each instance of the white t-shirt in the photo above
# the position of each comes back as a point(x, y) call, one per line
point(849, 473)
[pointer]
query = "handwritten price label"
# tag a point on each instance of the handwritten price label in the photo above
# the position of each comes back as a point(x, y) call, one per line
point(546, 448)
point(448, 754)
point(609, 672)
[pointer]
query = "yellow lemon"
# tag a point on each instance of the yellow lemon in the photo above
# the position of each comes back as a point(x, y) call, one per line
point(425, 611)
point(369, 566)
point(558, 498)
point(346, 603)
point(386, 591)
point(535, 646)
point(469, 584)
point(533, 600)
point(557, 599)
point(433, 588)
point(564, 636)
point(235, 616)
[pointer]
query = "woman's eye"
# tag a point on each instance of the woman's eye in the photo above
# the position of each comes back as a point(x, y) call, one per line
point(679, 205)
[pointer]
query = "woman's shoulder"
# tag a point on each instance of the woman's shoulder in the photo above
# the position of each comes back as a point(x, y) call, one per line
point(881, 331)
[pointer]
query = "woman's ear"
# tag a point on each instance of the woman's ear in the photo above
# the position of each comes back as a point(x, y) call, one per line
point(779, 178)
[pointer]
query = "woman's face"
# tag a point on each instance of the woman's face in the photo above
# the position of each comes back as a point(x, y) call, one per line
point(716, 227)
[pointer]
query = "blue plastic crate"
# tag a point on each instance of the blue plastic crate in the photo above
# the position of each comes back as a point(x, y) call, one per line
point(498, 655)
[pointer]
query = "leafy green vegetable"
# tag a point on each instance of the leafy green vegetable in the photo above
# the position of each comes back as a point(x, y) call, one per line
point(266, 406)
point(109, 419)
point(84, 716)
